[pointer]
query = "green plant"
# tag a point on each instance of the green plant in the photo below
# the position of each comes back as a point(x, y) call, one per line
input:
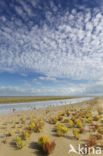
point(96, 118)
point(25, 135)
point(66, 120)
point(67, 113)
point(22, 120)
point(76, 133)
point(71, 123)
point(47, 111)
point(79, 123)
point(89, 120)
point(43, 140)
point(100, 110)
point(11, 132)
point(73, 119)
point(20, 143)
point(53, 120)
point(45, 144)
point(100, 129)
point(39, 126)
point(31, 125)
point(61, 130)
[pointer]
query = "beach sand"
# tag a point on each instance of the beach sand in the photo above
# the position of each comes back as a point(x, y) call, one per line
point(31, 149)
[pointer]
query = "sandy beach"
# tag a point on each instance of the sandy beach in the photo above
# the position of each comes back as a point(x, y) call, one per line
point(14, 121)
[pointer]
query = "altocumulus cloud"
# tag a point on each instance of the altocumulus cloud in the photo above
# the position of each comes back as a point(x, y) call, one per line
point(52, 39)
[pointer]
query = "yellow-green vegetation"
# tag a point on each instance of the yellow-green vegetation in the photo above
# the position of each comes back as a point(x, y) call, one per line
point(11, 132)
point(39, 126)
point(71, 123)
point(61, 130)
point(20, 143)
point(46, 145)
point(53, 120)
point(76, 133)
point(66, 120)
point(96, 118)
point(100, 129)
point(25, 135)
point(31, 126)
point(79, 123)
point(43, 140)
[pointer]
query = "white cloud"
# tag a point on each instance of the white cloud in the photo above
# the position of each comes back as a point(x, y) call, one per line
point(47, 78)
point(71, 48)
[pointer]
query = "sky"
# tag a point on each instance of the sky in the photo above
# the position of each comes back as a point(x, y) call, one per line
point(51, 47)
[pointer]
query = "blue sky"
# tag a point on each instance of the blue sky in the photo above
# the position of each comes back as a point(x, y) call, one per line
point(51, 47)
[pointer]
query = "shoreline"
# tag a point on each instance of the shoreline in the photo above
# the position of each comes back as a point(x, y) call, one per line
point(11, 100)
point(83, 104)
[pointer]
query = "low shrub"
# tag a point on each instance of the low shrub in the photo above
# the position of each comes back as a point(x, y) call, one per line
point(61, 130)
point(71, 123)
point(76, 133)
point(53, 120)
point(11, 132)
point(39, 126)
point(91, 141)
point(43, 140)
point(20, 143)
point(45, 144)
point(31, 126)
point(79, 123)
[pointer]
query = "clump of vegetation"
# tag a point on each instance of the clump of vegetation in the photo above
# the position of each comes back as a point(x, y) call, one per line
point(73, 119)
point(96, 118)
point(11, 132)
point(31, 126)
point(39, 126)
point(20, 130)
point(47, 111)
point(61, 130)
point(76, 133)
point(48, 148)
point(100, 111)
point(89, 120)
point(22, 120)
point(53, 120)
point(67, 113)
point(91, 141)
point(60, 118)
point(98, 136)
point(20, 143)
point(45, 144)
point(71, 123)
point(87, 115)
point(79, 123)
point(43, 140)
point(66, 120)
point(100, 129)
point(25, 135)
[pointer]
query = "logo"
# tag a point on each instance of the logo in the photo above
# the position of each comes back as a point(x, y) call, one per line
point(85, 150)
